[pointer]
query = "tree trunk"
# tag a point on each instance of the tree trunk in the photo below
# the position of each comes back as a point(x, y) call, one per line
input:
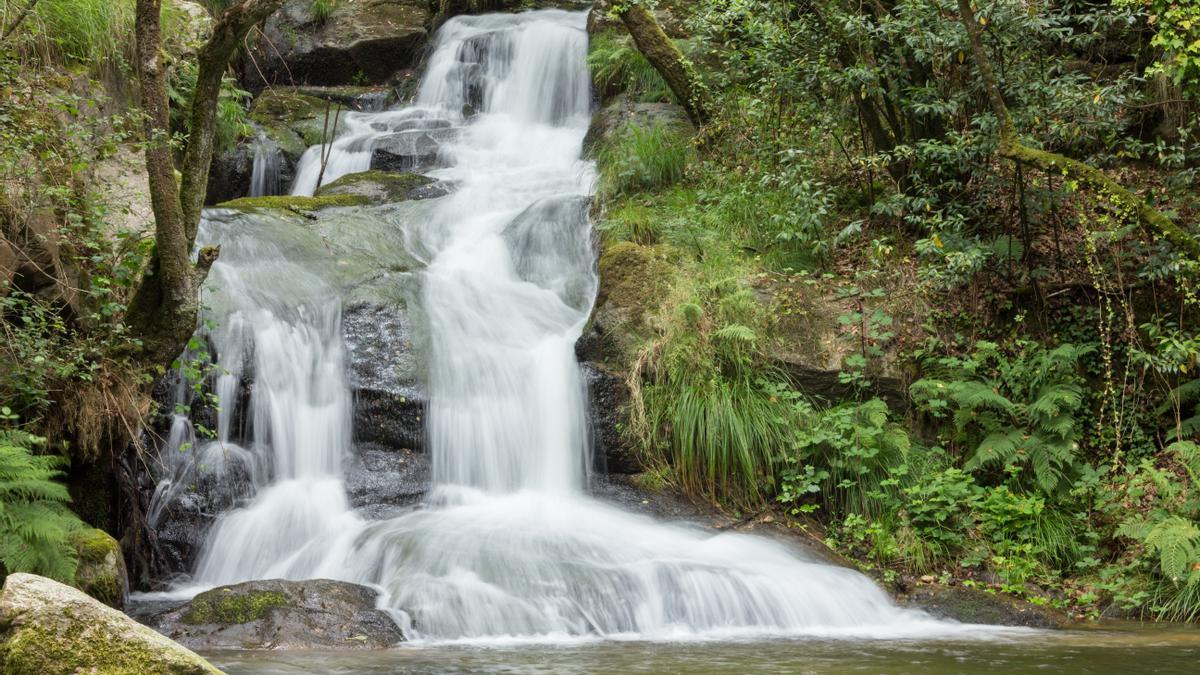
point(1129, 205)
point(163, 312)
point(666, 58)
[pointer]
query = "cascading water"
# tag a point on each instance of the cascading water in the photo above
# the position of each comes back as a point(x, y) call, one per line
point(264, 173)
point(506, 543)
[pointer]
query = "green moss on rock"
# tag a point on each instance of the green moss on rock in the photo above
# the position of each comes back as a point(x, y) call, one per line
point(377, 186)
point(232, 606)
point(294, 203)
point(101, 569)
point(52, 629)
point(634, 279)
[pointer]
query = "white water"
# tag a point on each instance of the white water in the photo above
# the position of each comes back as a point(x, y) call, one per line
point(507, 545)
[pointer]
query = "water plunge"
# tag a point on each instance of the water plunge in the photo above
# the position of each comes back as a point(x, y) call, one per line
point(506, 543)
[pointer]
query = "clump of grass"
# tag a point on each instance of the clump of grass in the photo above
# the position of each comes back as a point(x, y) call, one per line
point(323, 9)
point(63, 32)
point(617, 66)
point(644, 158)
point(704, 400)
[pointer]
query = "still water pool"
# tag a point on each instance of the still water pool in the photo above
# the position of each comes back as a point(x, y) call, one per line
point(1110, 649)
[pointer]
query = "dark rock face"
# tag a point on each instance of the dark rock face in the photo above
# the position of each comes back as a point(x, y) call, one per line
point(972, 605)
point(415, 150)
point(278, 614)
point(366, 41)
point(608, 396)
point(383, 482)
point(389, 398)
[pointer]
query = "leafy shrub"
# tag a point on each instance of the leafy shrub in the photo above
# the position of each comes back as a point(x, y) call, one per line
point(35, 523)
point(1016, 412)
point(617, 66)
point(232, 116)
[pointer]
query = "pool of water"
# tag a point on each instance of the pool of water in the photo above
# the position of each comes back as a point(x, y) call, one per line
point(1120, 649)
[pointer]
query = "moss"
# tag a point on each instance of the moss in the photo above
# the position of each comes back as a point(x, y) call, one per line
point(101, 569)
point(228, 606)
point(384, 186)
point(36, 649)
point(281, 105)
point(294, 203)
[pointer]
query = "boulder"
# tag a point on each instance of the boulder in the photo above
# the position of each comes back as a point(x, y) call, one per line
point(50, 628)
point(389, 395)
point(407, 151)
point(278, 614)
point(974, 605)
point(379, 187)
point(360, 42)
point(186, 27)
point(101, 569)
point(383, 482)
point(622, 113)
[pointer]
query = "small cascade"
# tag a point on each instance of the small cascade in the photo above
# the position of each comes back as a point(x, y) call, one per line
point(268, 164)
point(506, 543)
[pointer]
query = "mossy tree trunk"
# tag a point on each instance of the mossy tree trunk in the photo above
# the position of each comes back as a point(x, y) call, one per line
point(1129, 205)
point(666, 58)
point(163, 312)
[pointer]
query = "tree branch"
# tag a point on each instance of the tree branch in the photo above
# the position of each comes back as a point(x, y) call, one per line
point(666, 58)
point(1153, 222)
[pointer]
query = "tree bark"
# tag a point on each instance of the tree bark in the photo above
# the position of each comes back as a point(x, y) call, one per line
point(666, 58)
point(1128, 204)
point(163, 312)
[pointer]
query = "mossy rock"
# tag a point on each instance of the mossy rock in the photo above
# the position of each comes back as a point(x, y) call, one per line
point(634, 279)
point(279, 614)
point(52, 629)
point(229, 606)
point(101, 569)
point(294, 203)
point(975, 605)
point(283, 110)
point(379, 187)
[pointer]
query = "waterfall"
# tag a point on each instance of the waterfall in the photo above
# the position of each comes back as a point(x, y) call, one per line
point(507, 543)
point(264, 175)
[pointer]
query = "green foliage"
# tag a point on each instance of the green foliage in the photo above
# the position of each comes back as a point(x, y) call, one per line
point(1176, 27)
point(323, 9)
point(644, 158)
point(90, 32)
point(618, 67)
point(35, 523)
point(233, 118)
point(1017, 411)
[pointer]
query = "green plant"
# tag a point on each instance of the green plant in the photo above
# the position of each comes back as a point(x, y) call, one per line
point(323, 9)
point(1015, 411)
point(233, 121)
point(617, 66)
point(92, 32)
point(35, 523)
point(643, 158)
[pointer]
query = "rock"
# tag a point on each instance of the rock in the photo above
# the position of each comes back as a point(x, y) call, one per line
point(633, 280)
point(360, 99)
point(50, 628)
point(230, 173)
point(101, 569)
point(186, 27)
point(622, 113)
point(383, 482)
point(407, 151)
point(41, 260)
point(379, 187)
point(362, 41)
point(973, 605)
point(278, 614)
point(389, 395)
point(296, 121)
point(608, 396)
point(295, 203)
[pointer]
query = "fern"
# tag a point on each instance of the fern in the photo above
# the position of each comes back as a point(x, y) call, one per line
point(35, 524)
point(1017, 411)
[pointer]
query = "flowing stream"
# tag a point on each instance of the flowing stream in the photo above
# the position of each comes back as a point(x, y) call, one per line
point(507, 545)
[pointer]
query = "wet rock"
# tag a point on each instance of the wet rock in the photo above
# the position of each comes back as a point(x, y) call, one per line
point(389, 396)
point(362, 41)
point(407, 151)
point(101, 569)
point(278, 614)
point(360, 99)
point(229, 175)
point(298, 204)
point(973, 605)
point(607, 396)
point(379, 187)
point(383, 482)
point(50, 628)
